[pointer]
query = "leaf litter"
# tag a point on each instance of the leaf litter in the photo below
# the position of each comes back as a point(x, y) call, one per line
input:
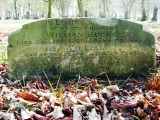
point(84, 99)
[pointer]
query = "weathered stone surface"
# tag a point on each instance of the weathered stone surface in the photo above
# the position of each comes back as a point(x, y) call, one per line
point(155, 14)
point(86, 46)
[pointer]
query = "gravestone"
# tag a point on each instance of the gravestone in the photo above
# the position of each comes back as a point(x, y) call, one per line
point(36, 15)
point(86, 13)
point(7, 15)
point(86, 46)
point(126, 15)
point(102, 15)
point(155, 14)
point(27, 15)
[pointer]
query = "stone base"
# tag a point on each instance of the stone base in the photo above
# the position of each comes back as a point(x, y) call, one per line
point(16, 18)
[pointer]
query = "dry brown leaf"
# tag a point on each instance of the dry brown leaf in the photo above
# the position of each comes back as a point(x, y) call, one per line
point(147, 117)
point(1, 67)
point(137, 81)
point(115, 115)
point(39, 117)
point(154, 84)
point(141, 112)
point(157, 101)
point(94, 83)
point(40, 85)
point(100, 110)
point(29, 102)
point(44, 107)
point(68, 118)
point(28, 96)
point(17, 116)
point(82, 94)
point(85, 103)
point(146, 103)
point(83, 99)
point(125, 104)
point(155, 114)
point(135, 91)
point(1, 100)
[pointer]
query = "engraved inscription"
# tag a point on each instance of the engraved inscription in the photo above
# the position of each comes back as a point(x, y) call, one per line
point(88, 46)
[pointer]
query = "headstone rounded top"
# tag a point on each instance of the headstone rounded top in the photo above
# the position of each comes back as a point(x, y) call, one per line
point(156, 8)
point(86, 46)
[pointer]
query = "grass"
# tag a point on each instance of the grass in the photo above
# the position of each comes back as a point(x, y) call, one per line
point(109, 82)
point(79, 77)
point(126, 80)
point(58, 82)
point(99, 75)
point(3, 57)
point(53, 91)
point(49, 83)
point(135, 117)
point(61, 97)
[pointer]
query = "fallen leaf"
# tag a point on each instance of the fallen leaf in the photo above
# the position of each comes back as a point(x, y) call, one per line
point(125, 104)
point(1, 100)
point(155, 114)
point(68, 118)
point(40, 85)
point(29, 102)
point(77, 113)
point(28, 96)
point(8, 116)
point(93, 115)
point(57, 113)
point(39, 117)
point(94, 83)
point(25, 114)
